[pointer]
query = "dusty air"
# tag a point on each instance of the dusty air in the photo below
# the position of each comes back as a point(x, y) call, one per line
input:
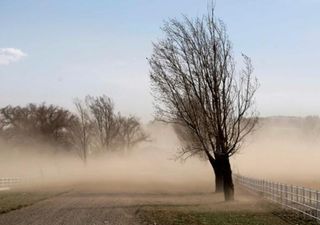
point(159, 113)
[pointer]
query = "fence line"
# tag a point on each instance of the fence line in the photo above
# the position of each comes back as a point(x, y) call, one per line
point(10, 181)
point(300, 199)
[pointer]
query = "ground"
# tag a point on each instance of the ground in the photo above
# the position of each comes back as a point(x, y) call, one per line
point(82, 206)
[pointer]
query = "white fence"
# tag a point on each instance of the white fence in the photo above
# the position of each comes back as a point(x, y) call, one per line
point(300, 199)
point(9, 181)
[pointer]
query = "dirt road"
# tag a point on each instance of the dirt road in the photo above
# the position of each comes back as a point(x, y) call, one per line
point(102, 208)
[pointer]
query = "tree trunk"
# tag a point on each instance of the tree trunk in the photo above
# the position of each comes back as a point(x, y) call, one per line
point(85, 161)
point(228, 187)
point(84, 157)
point(218, 179)
point(218, 174)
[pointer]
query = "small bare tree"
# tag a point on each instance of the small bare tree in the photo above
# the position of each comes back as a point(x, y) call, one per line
point(81, 130)
point(131, 132)
point(196, 86)
point(105, 121)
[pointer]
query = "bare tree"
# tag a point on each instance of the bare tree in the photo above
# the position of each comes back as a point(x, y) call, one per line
point(196, 86)
point(131, 132)
point(104, 120)
point(96, 127)
point(81, 130)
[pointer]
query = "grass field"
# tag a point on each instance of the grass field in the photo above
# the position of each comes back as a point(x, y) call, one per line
point(173, 217)
point(11, 200)
point(248, 209)
point(18, 198)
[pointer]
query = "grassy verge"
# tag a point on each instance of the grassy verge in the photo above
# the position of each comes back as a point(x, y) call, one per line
point(171, 217)
point(16, 199)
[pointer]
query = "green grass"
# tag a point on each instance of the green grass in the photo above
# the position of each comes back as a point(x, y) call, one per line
point(12, 200)
point(169, 217)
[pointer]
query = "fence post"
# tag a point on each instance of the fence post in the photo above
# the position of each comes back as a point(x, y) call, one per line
point(271, 189)
point(318, 205)
point(267, 188)
point(260, 186)
point(286, 194)
point(304, 195)
point(310, 197)
point(279, 192)
point(291, 194)
point(283, 196)
point(297, 194)
point(274, 191)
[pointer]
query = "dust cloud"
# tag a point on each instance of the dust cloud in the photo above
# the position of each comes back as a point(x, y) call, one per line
point(281, 149)
point(149, 167)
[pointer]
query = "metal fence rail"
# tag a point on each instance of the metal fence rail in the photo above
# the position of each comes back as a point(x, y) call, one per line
point(300, 199)
point(9, 181)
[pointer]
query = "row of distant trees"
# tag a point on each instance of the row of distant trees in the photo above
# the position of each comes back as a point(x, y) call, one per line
point(94, 128)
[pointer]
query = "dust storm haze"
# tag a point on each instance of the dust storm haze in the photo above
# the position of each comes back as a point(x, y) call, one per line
point(151, 166)
point(281, 148)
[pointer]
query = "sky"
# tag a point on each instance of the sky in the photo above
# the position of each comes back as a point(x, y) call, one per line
point(55, 51)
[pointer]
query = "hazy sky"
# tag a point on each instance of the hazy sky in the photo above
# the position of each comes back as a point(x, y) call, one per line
point(57, 50)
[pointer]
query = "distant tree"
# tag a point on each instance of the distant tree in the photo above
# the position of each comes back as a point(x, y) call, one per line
point(113, 130)
point(196, 86)
point(104, 121)
point(81, 130)
point(95, 127)
point(131, 132)
point(34, 123)
point(14, 121)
